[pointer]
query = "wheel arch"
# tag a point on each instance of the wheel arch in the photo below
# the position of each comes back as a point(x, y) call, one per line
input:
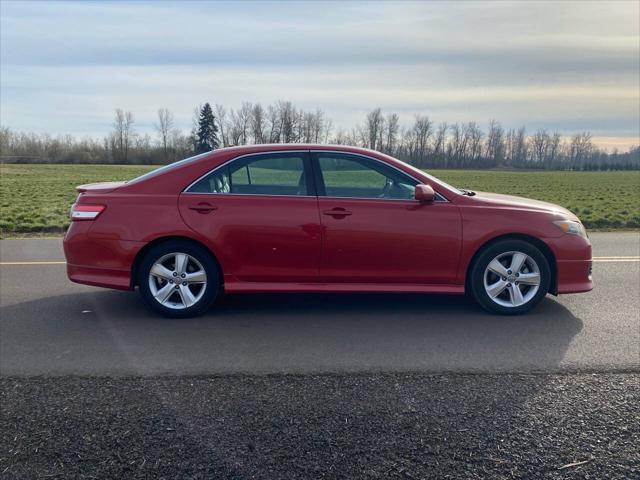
point(536, 242)
point(158, 241)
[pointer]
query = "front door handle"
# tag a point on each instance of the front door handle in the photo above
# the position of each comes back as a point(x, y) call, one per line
point(337, 212)
point(203, 207)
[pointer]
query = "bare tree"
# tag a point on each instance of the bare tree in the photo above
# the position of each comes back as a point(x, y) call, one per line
point(422, 132)
point(123, 134)
point(5, 141)
point(240, 122)
point(458, 146)
point(581, 148)
point(539, 146)
point(341, 138)
point(554, 149)
point(516, 147)
point(195, 124)
point(328, 126)
point(439, 145)
point(475, 142)
point(305, 126)
point(373, 125)
point(393, 128)
point(258, 123)
point(494, 145)
point(181, 144)
point(273, 122)
point(317, 126)
point(164, 128)
point(222, 126)
point(288, 119)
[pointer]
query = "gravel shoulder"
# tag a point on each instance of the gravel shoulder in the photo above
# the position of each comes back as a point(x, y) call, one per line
point(322, 426)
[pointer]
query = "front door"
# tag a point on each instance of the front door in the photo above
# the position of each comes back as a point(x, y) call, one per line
point(375, 231)
point(260, 213)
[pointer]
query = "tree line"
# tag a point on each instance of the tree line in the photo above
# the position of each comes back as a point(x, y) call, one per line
point(422, 143)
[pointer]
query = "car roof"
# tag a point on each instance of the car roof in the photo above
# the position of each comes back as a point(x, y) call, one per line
point(174, 180)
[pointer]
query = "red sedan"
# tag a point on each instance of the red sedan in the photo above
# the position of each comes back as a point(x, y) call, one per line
point(317, 218)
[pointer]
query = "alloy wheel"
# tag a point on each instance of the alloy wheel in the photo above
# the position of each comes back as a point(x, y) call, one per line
point(512, 279)
point(177, 280)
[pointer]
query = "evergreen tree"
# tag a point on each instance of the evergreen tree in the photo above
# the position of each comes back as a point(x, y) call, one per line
point(207, 130)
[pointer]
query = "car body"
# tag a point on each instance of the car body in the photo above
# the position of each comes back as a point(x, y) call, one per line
point(316, 218)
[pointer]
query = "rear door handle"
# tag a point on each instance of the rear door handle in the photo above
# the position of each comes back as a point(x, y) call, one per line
point(337, 212)
point(203, 207)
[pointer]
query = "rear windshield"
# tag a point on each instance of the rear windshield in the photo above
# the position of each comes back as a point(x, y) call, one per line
point(166, 168)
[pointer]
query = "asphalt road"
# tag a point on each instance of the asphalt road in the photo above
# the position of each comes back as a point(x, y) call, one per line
point(369, 426)
point(49, 326)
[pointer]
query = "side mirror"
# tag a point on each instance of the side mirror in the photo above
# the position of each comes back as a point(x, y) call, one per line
point(424, 193)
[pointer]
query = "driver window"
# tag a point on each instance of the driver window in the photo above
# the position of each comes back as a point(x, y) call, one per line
point(358, 177)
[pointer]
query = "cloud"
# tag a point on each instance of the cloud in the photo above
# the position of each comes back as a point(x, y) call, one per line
point(66, 65)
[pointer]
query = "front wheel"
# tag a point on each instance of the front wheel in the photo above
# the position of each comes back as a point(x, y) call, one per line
point(510, 277)
point(179, 279)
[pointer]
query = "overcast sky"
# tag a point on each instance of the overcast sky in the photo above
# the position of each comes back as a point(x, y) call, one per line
point(570, 66)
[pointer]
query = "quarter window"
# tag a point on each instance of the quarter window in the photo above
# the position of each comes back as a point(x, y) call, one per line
point(347, 175)
point(276, 174)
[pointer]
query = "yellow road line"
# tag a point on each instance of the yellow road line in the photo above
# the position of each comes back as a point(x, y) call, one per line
point(32, 238)
point(619, 260)
point(13, 264)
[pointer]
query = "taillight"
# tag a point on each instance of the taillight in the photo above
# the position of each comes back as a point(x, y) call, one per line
point(86, 212)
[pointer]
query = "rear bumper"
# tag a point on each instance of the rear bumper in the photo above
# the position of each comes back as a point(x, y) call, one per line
point(99, 261)
point(99, 277)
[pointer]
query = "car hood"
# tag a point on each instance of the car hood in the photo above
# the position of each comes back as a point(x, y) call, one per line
point(512, 201)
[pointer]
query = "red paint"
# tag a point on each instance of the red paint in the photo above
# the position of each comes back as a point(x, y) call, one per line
point(267, 239)
point(390, 241)
point(305, 244)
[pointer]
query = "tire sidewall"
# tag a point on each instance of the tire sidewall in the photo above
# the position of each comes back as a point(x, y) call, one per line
point(202, 255)
point(476, 280)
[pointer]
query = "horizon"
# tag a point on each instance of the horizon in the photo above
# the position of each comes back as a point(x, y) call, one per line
point(571, 67)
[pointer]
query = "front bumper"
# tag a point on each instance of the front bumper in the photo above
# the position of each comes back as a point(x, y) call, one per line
point(573, 262)
point(574, 276)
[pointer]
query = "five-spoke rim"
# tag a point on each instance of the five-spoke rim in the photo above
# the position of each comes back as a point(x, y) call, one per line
point(177, 280)
point(512, 279)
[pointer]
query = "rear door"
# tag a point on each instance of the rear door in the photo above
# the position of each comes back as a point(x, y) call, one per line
point(374, 229)
point(260, 212)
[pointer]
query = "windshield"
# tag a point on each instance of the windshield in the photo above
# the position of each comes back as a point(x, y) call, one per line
point(166, 168)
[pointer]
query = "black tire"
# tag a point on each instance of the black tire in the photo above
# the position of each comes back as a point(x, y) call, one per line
point(202, 255)
point(477, 272)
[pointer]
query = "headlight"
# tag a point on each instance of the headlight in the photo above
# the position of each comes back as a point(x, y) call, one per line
point(571, 227)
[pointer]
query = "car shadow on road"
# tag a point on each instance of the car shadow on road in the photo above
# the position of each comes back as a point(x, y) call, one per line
point(112, 332)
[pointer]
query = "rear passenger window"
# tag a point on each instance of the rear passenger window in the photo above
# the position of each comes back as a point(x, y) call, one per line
point(277, 174)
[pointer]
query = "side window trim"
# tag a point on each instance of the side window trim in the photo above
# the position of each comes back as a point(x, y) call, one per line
point(318, 179)
point(321, 190)
point(306, 165)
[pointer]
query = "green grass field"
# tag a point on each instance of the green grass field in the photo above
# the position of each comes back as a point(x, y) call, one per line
point(36, 198)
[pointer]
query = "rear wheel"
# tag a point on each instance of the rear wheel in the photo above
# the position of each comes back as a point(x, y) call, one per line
point(510, 277)
point(179, 279)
